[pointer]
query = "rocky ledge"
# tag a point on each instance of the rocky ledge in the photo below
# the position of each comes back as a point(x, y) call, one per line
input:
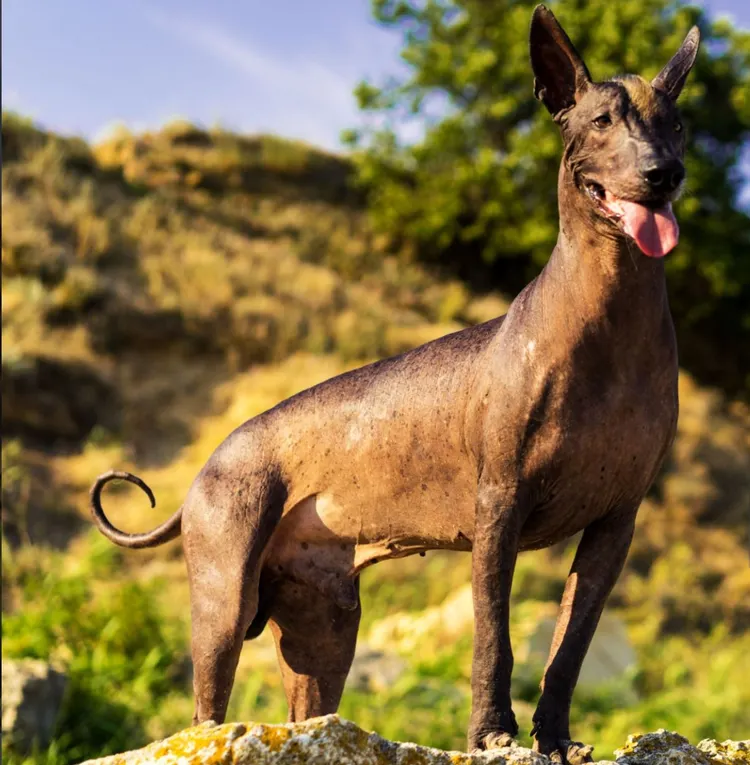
point(332, 741)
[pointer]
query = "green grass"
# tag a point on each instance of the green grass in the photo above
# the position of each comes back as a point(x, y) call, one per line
point(121, 655)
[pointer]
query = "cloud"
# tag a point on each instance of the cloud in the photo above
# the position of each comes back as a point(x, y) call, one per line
point(303, 97)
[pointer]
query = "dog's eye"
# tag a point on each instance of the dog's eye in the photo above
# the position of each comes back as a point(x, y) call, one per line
point(603, 121)
point(677, 127)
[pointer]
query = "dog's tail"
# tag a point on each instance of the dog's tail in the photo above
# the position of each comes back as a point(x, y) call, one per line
point(161, 534)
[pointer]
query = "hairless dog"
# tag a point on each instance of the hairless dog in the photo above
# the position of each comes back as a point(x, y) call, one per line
point(508, 436)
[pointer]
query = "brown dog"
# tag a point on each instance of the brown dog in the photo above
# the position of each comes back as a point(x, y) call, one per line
point(508, 436)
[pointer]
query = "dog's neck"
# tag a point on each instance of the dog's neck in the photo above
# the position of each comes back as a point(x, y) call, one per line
point(596, 275)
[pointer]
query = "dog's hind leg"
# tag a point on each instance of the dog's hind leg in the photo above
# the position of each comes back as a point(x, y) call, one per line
point(221, 613)
point(224, 552)
point(315, 642)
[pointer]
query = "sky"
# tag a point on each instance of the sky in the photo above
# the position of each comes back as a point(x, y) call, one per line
point(281, 66)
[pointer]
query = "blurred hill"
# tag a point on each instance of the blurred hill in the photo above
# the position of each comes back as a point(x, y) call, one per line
point(161, 288)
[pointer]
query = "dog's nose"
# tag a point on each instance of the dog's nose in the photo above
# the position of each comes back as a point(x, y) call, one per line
point(665, 176)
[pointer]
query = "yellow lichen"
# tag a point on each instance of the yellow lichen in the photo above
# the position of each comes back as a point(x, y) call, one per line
point(274, 736)
point(727, 752)
point(206, 744)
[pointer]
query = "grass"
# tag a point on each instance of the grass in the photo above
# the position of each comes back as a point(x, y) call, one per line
point(120, 655)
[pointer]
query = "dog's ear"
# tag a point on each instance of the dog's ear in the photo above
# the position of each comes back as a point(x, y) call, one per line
point(671, 79)
point(559, 72)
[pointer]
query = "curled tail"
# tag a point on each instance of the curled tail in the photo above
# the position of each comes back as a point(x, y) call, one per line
point(161, 534)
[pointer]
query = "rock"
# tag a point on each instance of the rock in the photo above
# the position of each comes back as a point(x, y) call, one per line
point(374, 670)
point(439, 626)
point(32, 695)
point(726, 752)
point(609, 657)
point(330, 740)
point(665, 748)
point(325, 740)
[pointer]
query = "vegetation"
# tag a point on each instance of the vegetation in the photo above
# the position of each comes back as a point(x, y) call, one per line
point(121, 657)
point(161, 288)
point(476, 193)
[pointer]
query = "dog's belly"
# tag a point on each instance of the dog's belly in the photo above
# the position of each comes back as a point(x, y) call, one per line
point(353, 521)
point(326, 539)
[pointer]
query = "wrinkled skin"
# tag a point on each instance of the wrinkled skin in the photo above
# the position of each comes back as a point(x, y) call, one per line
point(508, 436)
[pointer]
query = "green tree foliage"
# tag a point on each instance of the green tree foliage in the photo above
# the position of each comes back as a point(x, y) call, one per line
point(477, 192)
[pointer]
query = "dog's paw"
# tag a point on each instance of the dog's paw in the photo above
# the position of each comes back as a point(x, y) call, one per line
point(496, 741)
point(565, 752)
point(577, 752)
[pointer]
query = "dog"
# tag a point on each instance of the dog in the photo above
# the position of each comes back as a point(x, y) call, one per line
point(508, 436)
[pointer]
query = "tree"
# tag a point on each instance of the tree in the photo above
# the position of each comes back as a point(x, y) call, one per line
point(477, 193)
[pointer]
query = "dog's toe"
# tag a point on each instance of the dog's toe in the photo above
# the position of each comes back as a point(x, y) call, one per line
point(565, 752)
point(577, 753)
point(499, 741)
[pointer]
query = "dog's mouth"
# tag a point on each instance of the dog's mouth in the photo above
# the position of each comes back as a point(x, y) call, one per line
point(651, 225)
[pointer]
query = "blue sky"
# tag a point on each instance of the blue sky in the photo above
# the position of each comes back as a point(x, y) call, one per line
point(282, 66)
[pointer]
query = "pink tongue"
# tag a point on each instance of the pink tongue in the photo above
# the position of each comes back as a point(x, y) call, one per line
point(655, 231)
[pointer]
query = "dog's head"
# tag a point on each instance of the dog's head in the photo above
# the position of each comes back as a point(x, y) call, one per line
point(624, 139)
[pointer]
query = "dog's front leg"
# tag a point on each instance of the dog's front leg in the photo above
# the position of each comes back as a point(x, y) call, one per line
point(599, 560)
point(499, 518)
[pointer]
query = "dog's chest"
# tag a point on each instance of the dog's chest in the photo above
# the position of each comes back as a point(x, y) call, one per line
point(594, 445)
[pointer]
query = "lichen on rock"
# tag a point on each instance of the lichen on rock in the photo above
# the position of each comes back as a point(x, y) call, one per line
point(727, 752)
point(330, 740)
point(665, 748)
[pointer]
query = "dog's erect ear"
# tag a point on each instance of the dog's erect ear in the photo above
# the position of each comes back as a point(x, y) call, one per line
point(559, 72)
point(671, 79)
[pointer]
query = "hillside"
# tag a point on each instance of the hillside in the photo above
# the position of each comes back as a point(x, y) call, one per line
point(158, 290)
